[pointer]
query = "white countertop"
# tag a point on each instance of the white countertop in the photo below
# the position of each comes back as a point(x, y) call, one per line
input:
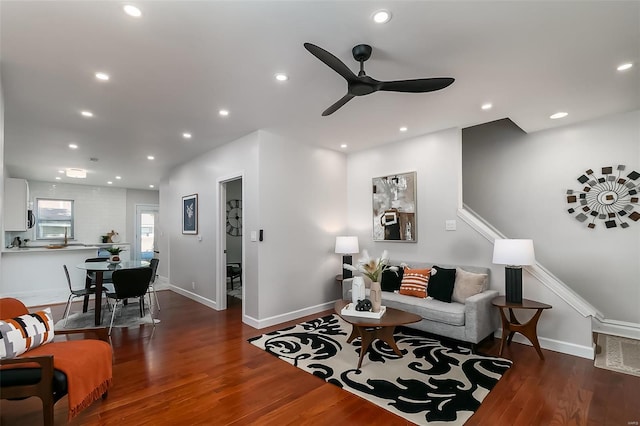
point(41, 249)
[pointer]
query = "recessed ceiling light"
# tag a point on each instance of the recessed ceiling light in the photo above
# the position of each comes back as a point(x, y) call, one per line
point(282, 77)
point(102, 76)
point(58, 178)
point(73, 146)
point(132, 11)
point(186, 135)
point(558, 115)
point(109, 182)
point(381, 16)
point(86, 113)
point(486, 106)
point(151, 186)
point(118, 177)
point(403, 129)
point(150, 157)
point(61, 171)
point(624, 67)
point(344, 145)
point(76, 173)
point(223, 112)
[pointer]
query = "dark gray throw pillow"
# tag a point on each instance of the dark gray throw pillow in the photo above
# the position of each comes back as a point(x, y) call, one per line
point(441, 283)
point(391, 280)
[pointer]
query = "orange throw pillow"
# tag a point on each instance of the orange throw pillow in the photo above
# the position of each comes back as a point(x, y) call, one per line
point(414, 282)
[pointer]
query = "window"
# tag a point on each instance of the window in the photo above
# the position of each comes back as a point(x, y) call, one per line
point(54, 219)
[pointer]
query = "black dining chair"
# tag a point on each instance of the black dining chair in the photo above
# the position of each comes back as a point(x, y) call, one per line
point(106, 276)
point(73, 294)
point(130, 284)
point(153, 264)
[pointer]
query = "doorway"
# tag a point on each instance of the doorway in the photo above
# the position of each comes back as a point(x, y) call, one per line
point(231, 289)
point(147, 216)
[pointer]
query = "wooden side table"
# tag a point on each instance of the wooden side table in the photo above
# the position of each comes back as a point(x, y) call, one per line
point(511, 325)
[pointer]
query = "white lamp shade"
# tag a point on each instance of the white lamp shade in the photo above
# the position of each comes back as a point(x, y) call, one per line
point(347, 245)
point(513, 252)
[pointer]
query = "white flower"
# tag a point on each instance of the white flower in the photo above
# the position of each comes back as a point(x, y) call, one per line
point(370, 267)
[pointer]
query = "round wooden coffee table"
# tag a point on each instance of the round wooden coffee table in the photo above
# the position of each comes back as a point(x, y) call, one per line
point(369, 329)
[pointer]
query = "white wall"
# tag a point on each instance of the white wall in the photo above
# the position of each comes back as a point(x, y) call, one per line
point(2, 172)
point(295, 193)
point(437, 159)
point(98, 209)
point(302, 209)
point(518, 183)
point(192, 260)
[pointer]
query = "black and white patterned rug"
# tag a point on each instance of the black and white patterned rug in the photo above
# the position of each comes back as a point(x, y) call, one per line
point(433, 383)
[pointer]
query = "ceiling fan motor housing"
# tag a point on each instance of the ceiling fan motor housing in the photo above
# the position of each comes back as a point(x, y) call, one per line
point(361, 52)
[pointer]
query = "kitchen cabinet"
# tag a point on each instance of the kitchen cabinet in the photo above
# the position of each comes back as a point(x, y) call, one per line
point(16, 198)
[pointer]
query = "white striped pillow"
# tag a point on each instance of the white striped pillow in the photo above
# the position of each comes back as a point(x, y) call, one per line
point(18, 335)
point(414, 282)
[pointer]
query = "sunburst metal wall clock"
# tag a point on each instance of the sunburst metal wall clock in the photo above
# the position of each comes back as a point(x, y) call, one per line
point(611, 198)
point(234, 218)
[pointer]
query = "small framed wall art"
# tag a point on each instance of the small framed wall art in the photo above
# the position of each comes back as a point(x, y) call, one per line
point(394, 208)
point(190, 214)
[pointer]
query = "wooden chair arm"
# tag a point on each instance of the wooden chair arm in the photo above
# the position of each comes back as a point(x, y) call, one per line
point(101, 333)
point(45, 361)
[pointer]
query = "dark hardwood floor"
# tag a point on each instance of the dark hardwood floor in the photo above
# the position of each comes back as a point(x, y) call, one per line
point(197, 368)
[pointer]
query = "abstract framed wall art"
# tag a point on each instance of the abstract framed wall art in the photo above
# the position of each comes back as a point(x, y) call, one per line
point(394, 208)
point(611, 197)
point(190, 214)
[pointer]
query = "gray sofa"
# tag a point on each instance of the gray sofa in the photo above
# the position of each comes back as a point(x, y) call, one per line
point(470, 322)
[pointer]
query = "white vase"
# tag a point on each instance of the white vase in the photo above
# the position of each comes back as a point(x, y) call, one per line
point(375, 295)
point(357, 290)
point(114, 258)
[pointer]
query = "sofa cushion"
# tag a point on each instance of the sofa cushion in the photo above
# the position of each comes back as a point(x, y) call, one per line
point(414, 282)
point(391, 280)
point(441, 283)
point(19, 334)
point(467, 284)
point(429, 309)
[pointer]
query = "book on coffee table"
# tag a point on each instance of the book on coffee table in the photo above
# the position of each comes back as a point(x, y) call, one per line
point(350, 310)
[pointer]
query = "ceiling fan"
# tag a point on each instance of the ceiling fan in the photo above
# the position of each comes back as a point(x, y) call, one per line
point(362, 84)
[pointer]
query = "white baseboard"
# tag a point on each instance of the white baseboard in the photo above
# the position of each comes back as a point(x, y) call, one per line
point(289, 316)
point(616, 328)
point(186, 293)
point(581, 351)
point(40, 298)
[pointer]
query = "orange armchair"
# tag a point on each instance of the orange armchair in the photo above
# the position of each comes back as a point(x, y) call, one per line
point(78, 368)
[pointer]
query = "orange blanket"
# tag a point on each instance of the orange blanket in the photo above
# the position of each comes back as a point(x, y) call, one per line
point(88, 366)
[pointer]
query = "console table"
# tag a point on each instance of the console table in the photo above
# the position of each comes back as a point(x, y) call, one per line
point(511, 325)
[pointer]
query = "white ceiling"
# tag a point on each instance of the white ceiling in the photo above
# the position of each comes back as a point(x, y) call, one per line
point(176, 66)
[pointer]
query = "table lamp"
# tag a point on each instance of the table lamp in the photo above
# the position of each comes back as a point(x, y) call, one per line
point(514, 254)
point(346, 246)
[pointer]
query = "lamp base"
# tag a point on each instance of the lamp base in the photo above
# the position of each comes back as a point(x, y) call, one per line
point(345, 272)
point(513, 284)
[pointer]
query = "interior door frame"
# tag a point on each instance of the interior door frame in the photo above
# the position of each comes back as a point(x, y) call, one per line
point(136, 237)
point(221, 243)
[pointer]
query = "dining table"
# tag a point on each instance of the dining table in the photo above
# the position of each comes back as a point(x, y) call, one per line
point(99, 268)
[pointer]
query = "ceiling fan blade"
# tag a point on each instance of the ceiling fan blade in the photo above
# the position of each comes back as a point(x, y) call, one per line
point(420, 85)
point(331, 61)
point(333, 108)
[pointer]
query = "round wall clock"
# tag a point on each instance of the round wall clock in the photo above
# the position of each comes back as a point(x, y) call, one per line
point(234, 218)
point(610, 197)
